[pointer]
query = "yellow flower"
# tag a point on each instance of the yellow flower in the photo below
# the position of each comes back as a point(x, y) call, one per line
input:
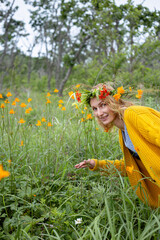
point(16, 100)
point(48, 101)
point(30, 109)
point(138, 96)
point(12, 111)
point(49, 124)
point(27, 111)
point(2, 105)
point(48, 94)
point(85, 108)
point(3, 173)
point(8, 94)
point(89, 116)
point(9, 161)
point(140, 92)
point(43, 119)
point(130, 89)
point(60, 105)
point(21, 144)
point(29, 99)
point(130, 169)
point(21, 121)
point(83, 112)
point(23, 105)
point(14, 103)
point(117, 96)
point(60, 101)
point(78, 85)
point(82, 119)
point(71, 94)
point(38, 123)
point(6, 101)
point(1, 95)
point(120, 90)
point(56, 90)
point(97, 129)
point(63, 109)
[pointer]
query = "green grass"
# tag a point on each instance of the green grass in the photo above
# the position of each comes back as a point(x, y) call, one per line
point(45, 194)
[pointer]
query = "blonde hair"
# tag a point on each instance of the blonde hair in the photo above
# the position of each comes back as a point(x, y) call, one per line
point(117, 107)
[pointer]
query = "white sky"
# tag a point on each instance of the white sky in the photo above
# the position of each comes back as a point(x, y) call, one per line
point(23, 14)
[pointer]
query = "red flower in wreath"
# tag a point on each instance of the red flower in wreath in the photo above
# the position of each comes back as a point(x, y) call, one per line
point(78, 96)
point(104, 93)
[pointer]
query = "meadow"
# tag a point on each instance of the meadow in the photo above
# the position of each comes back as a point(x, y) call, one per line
point(42, 137)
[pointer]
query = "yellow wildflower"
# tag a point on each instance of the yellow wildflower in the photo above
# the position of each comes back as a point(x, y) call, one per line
point(49, 124)
point(14, 103)
point(82, 119)
point(8, 94)
point(29, 99)
point(21, 143)
point(6, 101)
point(140, 92)
point(3, 173)
point(117, 96)
point(38, 123)
point(30, 109)
point(48, 101)
point(27, 111)
point(63, 109)
point(60, 105)
point(83, 112)
point(60, 101)
point(48, 94)
point(71, 94)
point(97, 129)
point(11, 111)
point(130, 89)
point(9, 161)
point(1, 95)
point(56, 90)
point(120, 90)
point(2, 105)
point(21, 121)
point(43, 119)
point(23, 105)
point(138, 96)
point(16, 100)
point(89, 116)
point(85, 108)
point(78, 85)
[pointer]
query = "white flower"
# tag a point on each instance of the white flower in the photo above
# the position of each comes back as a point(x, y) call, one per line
point(78, 221)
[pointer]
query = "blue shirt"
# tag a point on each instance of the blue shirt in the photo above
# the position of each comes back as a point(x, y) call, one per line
point(128, 143)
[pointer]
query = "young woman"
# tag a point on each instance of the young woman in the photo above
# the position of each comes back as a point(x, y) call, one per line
point(139, 137)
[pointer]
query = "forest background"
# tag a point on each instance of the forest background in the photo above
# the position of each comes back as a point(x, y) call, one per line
point(83, 42)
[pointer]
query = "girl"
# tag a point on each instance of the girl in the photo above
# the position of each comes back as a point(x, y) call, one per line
point(139, 138)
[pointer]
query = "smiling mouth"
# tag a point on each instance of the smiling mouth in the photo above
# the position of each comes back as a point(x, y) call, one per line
point(104, 118)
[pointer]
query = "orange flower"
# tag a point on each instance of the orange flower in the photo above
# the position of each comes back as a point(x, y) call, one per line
point(85, 108)
point(120, 90)
point(1, 95)
point(2, 105)
point(3, 173)
point(8, 94)
point(48, 94)
point(56, 90)
point(27, 111)
point(29, 99)
point(60, 105)
point(38, 123)
point(12, 111)
point(97, 129)
point(106, 130)
point(82, 119)
point(14, 103)
point(63, 109)
point(71, 94)
point(23, 105)
point(49, 124)
point(140, 92)
point(117, 96)
point(6, 101)
point(130, 169)
point(21, 144)
point(48, 101)
point(30, 109)
point(78, 85)
point(60, 101)
point(130, 89)
point(16, 100)
point(43, 119)
point(34, 195)
point(138, 96)
point(21, 121)
point(89, 116)
point(83, 112)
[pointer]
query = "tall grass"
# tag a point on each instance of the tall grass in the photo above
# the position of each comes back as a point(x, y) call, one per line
point(44, 194)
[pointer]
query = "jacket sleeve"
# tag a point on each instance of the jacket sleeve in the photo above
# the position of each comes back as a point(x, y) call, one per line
point(110, 166)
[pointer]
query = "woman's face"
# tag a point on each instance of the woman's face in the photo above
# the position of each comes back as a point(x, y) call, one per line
point(102, 111)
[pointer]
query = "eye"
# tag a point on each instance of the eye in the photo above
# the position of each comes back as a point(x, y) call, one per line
point(94, 109)
point(103, 104)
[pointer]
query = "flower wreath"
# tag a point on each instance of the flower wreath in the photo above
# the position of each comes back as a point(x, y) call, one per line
point(102, 92)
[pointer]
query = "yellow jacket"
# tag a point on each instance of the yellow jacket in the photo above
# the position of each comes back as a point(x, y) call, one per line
point(143, 126)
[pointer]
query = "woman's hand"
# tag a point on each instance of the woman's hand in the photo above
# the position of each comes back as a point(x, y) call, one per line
point(90, 163)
